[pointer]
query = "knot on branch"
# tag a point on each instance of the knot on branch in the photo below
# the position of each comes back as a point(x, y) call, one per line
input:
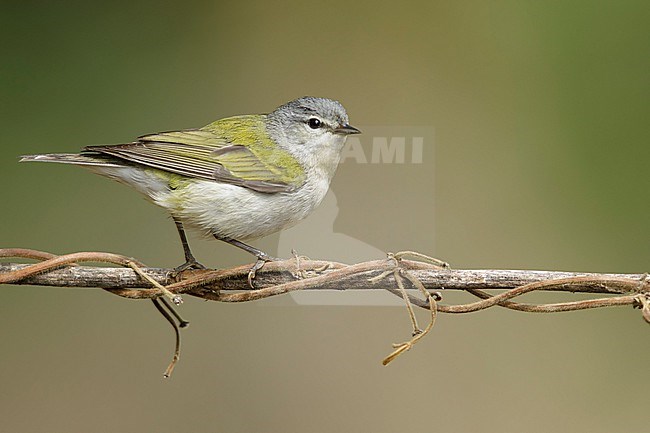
point(643, 297)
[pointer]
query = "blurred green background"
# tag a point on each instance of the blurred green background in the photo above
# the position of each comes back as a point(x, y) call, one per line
point(540, 161)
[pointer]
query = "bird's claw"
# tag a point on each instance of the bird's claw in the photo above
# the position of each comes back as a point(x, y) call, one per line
point(261, 261)
point(189, 264)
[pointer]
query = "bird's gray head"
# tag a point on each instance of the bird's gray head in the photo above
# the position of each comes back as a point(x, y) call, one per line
point(310, 122)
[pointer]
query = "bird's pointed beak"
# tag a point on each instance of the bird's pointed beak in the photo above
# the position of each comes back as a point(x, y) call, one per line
point(347, 130)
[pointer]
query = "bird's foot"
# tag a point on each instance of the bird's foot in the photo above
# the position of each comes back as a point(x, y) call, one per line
point(262, 258)
point(190, 263)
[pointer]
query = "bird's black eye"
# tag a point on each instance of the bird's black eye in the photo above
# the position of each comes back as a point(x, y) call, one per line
point(314, 123)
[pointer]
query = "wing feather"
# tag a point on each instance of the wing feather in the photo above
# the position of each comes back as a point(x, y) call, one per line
point(212, 154)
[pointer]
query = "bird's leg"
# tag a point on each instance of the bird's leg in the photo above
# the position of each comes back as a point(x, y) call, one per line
point(190, 261)
point(262, 257)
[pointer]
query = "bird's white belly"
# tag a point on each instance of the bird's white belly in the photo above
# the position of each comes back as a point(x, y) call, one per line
point(222, 209)
point(235, 212)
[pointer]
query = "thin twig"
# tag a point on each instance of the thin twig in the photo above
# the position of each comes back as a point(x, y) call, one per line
point(177, 333)
point(176, 299)
point(399, 274)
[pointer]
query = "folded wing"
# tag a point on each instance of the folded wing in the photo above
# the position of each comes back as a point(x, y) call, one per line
point(210, 154)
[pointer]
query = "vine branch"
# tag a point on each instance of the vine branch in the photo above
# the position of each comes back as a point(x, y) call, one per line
point(395, 274)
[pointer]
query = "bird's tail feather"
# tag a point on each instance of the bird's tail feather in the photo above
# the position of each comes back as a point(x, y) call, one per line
point(72, 158)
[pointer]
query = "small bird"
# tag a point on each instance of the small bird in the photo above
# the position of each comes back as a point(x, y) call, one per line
point(238, 178)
